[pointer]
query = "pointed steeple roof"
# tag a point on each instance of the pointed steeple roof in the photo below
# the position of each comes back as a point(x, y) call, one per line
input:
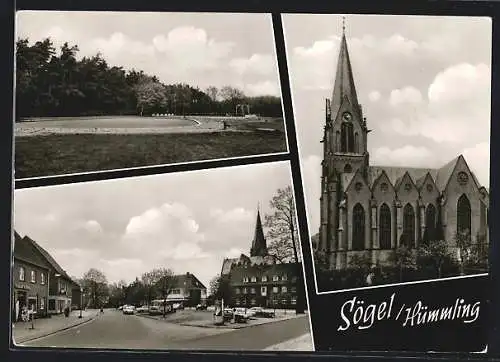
point(344, 80)
point(259, 244)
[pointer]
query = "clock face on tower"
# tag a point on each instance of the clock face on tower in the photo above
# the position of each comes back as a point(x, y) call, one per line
point(346, 116)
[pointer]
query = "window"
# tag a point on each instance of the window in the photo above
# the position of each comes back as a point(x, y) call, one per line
point(430, 224)
point(284, 277)
point(245, 279)
point(347, 168)
point(283, 289)
point(252, 290)
point(275, 278)
point(21, 274)
point(254, 279)
point(294, 289)
point(347, 138)
point(358, 227)
point(42, 279)
point(175, 291)
point(275, 289)
point(253, 301)
point(263, 290)
point(294, 279)
point(244, 290)
point(284, 301)
point(294, 300)
point(33, 276)
point(42, 302)
point(385, 227)
point(237, 302)
point(463, 215)
point(237, 291)
point(408, 226)
point(356, 143)
point(264, 278)
point(337, 141)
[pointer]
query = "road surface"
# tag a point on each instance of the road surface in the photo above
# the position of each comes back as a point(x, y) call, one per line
point(118, 331)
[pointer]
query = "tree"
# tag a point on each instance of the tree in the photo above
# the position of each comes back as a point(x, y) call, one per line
point(149, 280)
point(95, 286)
point(220, 287)
point(213, 93)
point(403, 258)
point(435, 253)
point(150, 95)
point(283, 234)
point(166, 281)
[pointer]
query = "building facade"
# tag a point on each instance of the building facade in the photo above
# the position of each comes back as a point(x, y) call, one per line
point(260, 280)
point(372, 210)
point(187, 290)
point(30, 284)
point(61, 285)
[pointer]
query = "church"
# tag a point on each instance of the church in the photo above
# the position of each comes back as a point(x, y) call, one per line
point(260, 279)
point(372, 210)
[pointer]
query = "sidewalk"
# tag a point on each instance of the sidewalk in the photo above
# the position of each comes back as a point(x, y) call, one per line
point(302, 343)
point(22, 332)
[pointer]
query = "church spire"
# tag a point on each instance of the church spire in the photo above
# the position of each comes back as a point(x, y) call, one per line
point(259, 245)
point(344, 80)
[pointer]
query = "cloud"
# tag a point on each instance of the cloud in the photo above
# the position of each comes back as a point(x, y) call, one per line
point(404, 96)
point(408, 156)
point(263, 64)
point(478, 159)
point(374, 96)
point(262, 88)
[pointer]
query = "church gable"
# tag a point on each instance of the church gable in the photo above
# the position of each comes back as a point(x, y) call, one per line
point(358, 189)
point(406, 188)
point(383, 184)
point(461, 179)
point(428, 190)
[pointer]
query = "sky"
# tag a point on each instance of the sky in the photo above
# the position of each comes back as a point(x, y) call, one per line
point(423, 82)
point(185, 221)
point(200, 49)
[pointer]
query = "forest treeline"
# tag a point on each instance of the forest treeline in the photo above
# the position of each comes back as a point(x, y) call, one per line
point(56, 84)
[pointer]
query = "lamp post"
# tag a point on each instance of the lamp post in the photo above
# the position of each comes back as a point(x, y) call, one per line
point(81, 302)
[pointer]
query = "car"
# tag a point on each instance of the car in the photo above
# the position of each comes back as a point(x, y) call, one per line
point(142, 309)
point(128, 309)
point(177, 306)
point(201, 307)
point(120, 307)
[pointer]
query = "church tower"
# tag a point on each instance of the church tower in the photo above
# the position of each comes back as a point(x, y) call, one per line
point(344, 146)
point(259, 244)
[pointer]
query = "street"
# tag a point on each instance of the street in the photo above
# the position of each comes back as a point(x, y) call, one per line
point(115, 330)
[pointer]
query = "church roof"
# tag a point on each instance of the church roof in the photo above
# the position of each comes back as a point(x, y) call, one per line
point(259, 244)
point(439, 175)
point(344, 80)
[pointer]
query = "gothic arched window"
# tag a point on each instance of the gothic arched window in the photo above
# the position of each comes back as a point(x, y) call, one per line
point(385, 227)
point(347, 138)
point(337, 141)
point(358, 227)
point(430, 224)
point(347, 168)
point(356, 143)
point(408, 226)
point(463, 214)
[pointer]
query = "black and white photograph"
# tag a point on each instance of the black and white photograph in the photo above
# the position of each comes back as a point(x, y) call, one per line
point(99, 91)
point(393, 126)
point(198, 260)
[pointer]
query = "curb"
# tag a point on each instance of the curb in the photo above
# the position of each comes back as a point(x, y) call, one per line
point(29, 339)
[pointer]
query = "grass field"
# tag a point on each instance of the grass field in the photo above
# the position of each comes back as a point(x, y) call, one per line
point(37, 156)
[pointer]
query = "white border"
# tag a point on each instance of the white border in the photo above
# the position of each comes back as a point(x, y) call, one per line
point(305, 198)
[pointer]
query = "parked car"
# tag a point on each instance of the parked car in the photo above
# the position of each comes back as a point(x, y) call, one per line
point(241, 315)
point(158, 306)
point(128, 309)
point(142, 309)
point(120, 307)
point(201, 307)
point(261, 312)
point(177, 306)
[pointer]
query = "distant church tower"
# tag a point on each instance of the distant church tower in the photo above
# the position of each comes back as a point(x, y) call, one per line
point(259, 244)
point(344, 148)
